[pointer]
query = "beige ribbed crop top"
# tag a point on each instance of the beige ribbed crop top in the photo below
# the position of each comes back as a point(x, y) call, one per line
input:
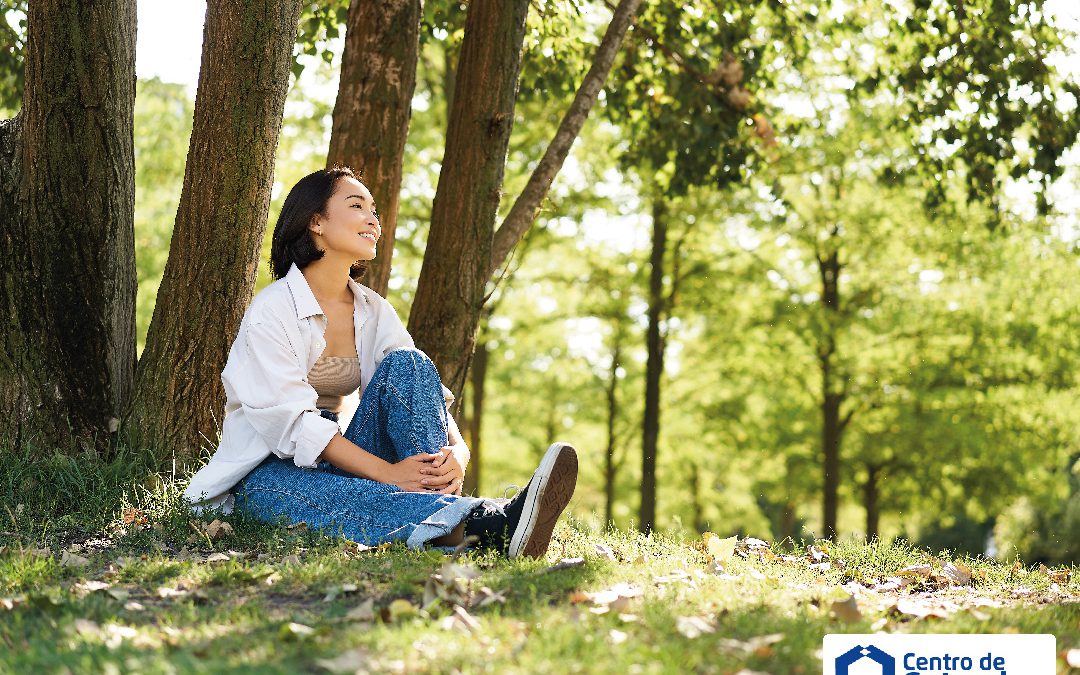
point(334, 378)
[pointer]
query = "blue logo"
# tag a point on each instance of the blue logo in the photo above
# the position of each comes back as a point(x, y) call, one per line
point(858, 652)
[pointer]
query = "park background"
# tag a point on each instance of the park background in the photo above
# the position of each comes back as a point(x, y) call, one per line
point(855, 282)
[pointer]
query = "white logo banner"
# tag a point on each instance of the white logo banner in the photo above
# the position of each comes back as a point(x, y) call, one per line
point(901, 654)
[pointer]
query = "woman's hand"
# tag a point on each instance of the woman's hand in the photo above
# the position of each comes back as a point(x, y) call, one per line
point(444, 474)
point(409, 473)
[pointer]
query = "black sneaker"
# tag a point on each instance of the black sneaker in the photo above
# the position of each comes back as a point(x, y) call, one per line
point(532, 514)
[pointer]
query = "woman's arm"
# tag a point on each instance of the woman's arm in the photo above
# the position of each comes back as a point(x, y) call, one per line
point(447, 473)
point(457, 443)
point(350, 457)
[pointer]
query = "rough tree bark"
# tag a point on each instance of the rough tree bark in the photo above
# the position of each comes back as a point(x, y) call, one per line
point(477, 379)
point(610, 466)
point(523, 212)
point(213, 257)
point(832, 394)
point(654, 367)
point(871, 499)
point(374, 104)
point(450, 290)
point(67, 192)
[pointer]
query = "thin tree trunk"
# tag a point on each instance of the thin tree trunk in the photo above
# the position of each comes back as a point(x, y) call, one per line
point(612, 415)
point(477, 379)
point(67, 188)
point(210, 274)
point(450, 290)
point(831, 397)
point(654, 367)
point(695, 497)
point(787, 521)
point(525, 207)
point(870, 500)
point(374, 104)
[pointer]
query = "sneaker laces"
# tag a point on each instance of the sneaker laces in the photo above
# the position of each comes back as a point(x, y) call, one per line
point(515, 488)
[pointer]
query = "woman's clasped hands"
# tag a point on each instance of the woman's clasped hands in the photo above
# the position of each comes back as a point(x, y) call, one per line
point(428, 472)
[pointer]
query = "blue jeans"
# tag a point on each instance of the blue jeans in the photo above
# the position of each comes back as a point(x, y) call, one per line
point(401, 413)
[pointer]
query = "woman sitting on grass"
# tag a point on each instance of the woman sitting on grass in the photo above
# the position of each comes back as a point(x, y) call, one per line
point(314, 337)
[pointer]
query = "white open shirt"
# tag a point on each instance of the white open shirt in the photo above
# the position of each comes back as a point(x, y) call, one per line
point(269, 405)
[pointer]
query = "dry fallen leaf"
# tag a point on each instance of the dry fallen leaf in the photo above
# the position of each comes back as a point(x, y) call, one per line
point(86, 627)
point(460, 620)
point(486, 596)
point(915, 571)
point(817, 554)
point(91, 586)
point(616, 598)
point(217, 557)
point(617, 637)
point(847, 610)
point(69, 559)
point(352, 661)
point(118, 594)
point(166, 592)
point(957, 573)
point(335, 591)
point(760, 645)
point(566, 563)
point(133, 516)
point(1060, 576)
point(755, 574)
point(365, 611)
point(920, 609)
point(721, 550)
point(693, 626)
point(295, 630)
point(605, 552)
point(217, 529)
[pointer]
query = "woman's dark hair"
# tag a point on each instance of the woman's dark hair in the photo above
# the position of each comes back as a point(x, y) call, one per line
point(292, 241)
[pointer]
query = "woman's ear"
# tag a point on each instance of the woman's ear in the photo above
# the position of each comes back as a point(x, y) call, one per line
point(315, 227)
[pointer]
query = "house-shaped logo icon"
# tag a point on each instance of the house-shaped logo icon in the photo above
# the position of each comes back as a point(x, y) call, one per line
point(858, 652)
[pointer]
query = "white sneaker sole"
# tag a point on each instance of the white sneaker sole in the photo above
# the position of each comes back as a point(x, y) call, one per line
point(550, 489)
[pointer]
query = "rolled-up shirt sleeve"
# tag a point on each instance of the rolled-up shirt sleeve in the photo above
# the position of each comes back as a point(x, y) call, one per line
point(277, 401)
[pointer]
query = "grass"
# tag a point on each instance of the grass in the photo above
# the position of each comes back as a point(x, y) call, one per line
point(81, 590)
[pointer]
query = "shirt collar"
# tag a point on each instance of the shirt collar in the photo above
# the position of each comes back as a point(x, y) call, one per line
point(306, 304)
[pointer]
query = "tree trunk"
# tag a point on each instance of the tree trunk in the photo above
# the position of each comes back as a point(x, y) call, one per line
point(477, 378)
point(374, 103)
point(870, 500)
point(525, 207)
point(696, 503)
point(787, 521)
point(67, 188)
point(831, 398)
point(210, 274)
point(654, 367)
point(612, 415)
point(450, 290)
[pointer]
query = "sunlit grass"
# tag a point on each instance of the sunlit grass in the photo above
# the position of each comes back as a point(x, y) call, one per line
point(133, 582)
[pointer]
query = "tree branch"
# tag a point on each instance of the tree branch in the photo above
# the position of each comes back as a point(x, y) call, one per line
point(677, 58)
point(527, 204)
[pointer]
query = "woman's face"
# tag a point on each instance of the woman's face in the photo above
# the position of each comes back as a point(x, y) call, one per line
point(349, 228)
